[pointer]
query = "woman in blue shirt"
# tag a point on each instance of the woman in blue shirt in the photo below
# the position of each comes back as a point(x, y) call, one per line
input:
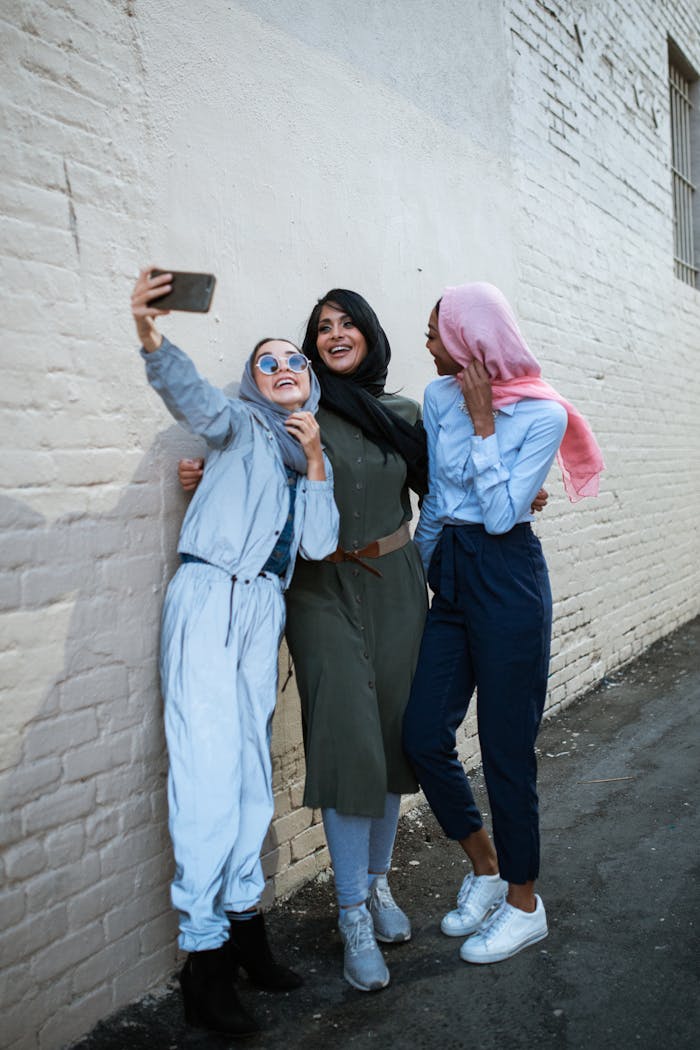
point(266, 493)
point(494, 428)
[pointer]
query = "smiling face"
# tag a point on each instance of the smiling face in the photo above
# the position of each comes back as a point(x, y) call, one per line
point(289, 389)
point(340, 343)
point(445, 365)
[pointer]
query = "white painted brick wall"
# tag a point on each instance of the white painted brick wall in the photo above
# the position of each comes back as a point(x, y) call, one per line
point(597, 292)
point(85, 847)
point(122, 144)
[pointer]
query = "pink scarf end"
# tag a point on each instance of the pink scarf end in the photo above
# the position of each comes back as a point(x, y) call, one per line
point(580, 484)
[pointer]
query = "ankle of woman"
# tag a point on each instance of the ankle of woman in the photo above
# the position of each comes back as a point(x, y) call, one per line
point(372, 876)
point(345, 907)
point(242, 916)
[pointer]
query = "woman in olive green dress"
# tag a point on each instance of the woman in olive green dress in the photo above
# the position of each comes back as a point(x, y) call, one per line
point(354, 624)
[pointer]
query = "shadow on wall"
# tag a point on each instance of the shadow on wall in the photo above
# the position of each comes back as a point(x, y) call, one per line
point(87, 918)
point(87, 853)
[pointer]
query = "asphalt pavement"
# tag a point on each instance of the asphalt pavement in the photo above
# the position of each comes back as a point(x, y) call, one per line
point(619, 788)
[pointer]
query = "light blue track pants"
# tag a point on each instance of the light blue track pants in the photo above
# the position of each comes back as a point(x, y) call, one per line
point(219, 702)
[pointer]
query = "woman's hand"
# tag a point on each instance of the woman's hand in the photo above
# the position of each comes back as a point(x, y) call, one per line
point(145, 289)
point(189, 473)
point(540, 501)
point(303, 426)
point(478, 398)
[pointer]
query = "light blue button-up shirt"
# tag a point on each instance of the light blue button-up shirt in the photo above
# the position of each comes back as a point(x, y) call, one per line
point(489, 481)
point(241, 504)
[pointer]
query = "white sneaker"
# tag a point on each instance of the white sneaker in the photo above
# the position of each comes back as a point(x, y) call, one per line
point(507, 932)
point(478, 897)
point(391, 925)
point(364, 966)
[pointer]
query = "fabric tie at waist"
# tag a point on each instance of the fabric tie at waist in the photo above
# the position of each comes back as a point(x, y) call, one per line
point(462, 536)
point(188, 558)
point(375, 549)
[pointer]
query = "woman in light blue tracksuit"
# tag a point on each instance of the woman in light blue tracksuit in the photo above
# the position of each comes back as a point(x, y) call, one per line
point(267, 493)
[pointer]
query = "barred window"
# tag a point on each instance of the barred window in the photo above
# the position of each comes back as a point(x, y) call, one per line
point(685, 161)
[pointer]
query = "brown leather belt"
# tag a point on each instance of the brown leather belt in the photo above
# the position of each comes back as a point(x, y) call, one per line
point(375, 549)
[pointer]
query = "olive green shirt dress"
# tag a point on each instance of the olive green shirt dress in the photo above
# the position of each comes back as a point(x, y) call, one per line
point(354, 638)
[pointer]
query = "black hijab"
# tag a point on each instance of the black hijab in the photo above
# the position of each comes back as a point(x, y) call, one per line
point(355, 397)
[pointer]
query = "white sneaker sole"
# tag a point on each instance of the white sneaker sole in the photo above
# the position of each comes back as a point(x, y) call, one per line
point(502, 956)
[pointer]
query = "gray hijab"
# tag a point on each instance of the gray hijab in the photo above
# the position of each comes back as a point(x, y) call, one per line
point(273, 415)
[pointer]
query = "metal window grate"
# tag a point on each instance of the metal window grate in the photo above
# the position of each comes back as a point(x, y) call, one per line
point(683, 188)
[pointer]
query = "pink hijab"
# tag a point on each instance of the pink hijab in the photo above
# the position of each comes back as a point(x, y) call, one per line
point(476, 321)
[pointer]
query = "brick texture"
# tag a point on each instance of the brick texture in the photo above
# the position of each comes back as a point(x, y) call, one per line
point(562, 195)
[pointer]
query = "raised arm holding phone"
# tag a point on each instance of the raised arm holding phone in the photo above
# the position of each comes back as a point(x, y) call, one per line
point(266, 494)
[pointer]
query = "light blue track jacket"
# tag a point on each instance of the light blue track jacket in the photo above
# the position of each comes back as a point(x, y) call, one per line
point(242, 502)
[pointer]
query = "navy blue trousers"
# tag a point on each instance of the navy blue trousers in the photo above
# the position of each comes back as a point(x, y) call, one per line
point(489, 628)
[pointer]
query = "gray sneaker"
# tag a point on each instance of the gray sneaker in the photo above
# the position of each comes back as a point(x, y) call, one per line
point(391, 925)
point(478, 897)
point(364, 966)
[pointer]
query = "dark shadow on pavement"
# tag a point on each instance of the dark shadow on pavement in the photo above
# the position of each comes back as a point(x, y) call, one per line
point(620, 881)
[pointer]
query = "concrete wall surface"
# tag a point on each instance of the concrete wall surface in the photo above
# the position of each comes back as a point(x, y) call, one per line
point(291, 146)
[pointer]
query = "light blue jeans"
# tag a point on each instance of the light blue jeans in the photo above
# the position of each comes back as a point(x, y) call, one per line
point(360, 846)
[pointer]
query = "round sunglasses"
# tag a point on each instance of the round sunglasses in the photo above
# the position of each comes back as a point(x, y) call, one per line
point(269, 364)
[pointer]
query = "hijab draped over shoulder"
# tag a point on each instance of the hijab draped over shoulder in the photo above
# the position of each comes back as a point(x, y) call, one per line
point(476, 321)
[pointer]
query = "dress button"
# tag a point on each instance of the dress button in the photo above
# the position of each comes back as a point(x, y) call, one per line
point(358, 599)
point(366, 656)
point(358, 484)
point(359, 459)
point(356, 572)
point(358, 435)
point(371, 685)
point(356, 514)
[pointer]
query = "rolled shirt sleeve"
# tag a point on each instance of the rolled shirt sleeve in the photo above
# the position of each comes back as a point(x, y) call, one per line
point(504, 494)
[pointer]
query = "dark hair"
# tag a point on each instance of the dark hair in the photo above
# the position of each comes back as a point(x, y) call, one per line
point(356, 396)
point(363, 317)
point(437, 307)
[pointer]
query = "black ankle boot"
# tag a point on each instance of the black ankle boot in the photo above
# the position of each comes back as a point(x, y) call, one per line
point(249, 949)
point(210, 997)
